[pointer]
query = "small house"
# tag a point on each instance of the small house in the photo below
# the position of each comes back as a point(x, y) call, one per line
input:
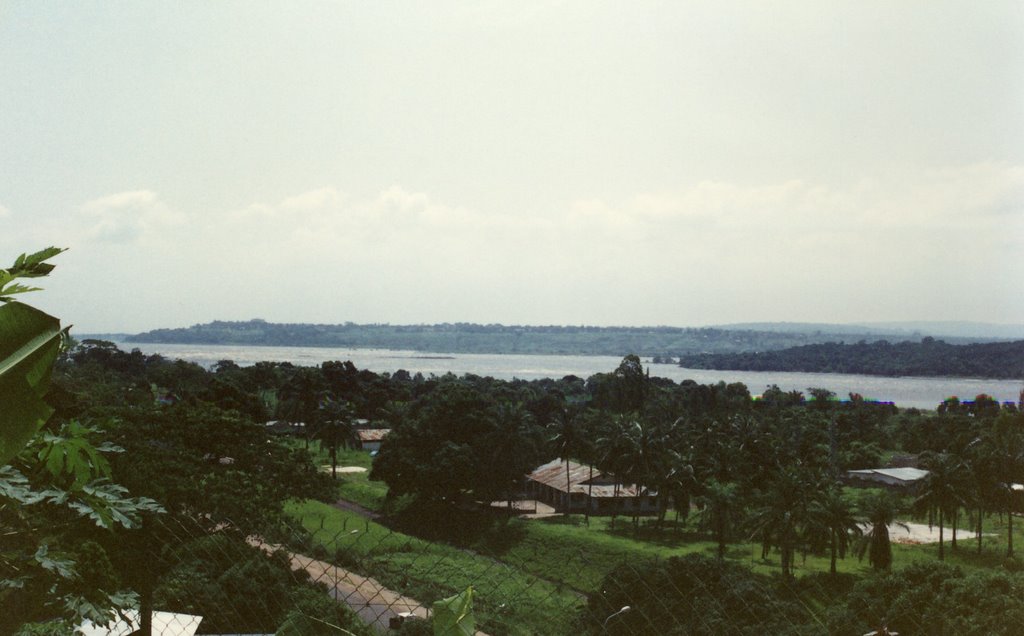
point(587, 489)
point(371, 438)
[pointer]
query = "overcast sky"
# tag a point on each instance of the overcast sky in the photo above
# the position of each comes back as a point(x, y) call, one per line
point(637, 163)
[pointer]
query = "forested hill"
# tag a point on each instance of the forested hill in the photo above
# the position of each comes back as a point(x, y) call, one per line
point(667, 342)
point(929, 357)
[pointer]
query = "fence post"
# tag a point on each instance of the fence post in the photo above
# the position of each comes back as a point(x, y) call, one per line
point(146, 611)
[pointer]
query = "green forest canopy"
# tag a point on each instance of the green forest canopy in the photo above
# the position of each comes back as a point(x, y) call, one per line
point(662, 342)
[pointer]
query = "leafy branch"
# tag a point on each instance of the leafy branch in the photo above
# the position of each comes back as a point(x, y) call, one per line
point(26, 266)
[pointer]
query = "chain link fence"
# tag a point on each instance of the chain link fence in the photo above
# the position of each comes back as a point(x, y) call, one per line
point(353, 575)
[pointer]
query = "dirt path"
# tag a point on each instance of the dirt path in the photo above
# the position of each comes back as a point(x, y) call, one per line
point(345, 504)
point(921, 533)
point(375, 604)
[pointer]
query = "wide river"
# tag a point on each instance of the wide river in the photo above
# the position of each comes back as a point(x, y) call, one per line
point(924, 393)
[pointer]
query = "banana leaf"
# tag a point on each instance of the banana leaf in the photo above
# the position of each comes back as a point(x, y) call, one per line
point(29, 343)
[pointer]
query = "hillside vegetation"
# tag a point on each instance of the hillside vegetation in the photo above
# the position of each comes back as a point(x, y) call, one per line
point(666, 342)
point(930, 357)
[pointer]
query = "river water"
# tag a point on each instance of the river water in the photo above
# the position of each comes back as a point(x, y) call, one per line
point(905, 391)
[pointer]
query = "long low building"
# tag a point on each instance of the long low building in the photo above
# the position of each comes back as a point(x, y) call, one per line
point(891, 477)
point(585, 489)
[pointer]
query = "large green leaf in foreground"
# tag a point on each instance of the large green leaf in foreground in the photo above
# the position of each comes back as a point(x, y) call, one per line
point(29, 343)
point(453, 616)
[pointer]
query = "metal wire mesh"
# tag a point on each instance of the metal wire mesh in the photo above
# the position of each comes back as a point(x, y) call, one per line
point(361, 577)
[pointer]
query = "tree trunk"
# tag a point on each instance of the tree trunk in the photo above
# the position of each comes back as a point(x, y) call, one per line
point(832, 567)
point(146, 611)
point(979, 529)
point(942, 553)
point(636, 512)
point(568, 488)
point(590, 494)
point(956, 522)
point(1009, 534)
point(615, 503)
point(334, 461)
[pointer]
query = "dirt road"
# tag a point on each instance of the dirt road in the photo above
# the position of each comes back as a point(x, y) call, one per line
point(375, 604)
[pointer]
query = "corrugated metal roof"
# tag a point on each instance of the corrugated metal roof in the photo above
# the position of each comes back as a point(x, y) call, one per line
point(372, 434)
point(901, 474)
point(552, 474)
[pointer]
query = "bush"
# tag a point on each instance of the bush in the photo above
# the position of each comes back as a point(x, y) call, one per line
point(691, 595)
point(934, 598)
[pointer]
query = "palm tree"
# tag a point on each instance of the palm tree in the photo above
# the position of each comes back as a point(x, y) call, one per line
point(881, 512)
point(642, 460)
point(336, 428)
point(610, 448)
point(941, 491)
point(719, 511)
point(299, 399)
point(832, 515)
point(984, 489)
point(783, 517)
point(593, 422)
point(514, 448)
point(566, 440)
point(1004, 442)
point(394, 412)
point(677, 485)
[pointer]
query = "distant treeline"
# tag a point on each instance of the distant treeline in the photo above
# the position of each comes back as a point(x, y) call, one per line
point(929, 357)
point(667, 343)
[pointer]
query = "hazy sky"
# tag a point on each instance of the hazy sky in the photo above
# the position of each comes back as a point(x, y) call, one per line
point(678, 163)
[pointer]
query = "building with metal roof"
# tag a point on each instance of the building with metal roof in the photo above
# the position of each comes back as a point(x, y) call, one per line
point(587, 487)
point(892, 477)
point(371, 438)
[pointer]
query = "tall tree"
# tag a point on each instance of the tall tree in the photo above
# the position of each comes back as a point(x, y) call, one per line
point(719, 511)
point(566, 441)
point(832, 516)
point(644, 460)
point(514, 450)
point(1004, 443)
point(881, 512)
point(678, 485)
point(611, 446)
point(941, 491)
point(336, 427)
point(782, 517)
point(630, 385)
point(299, 399)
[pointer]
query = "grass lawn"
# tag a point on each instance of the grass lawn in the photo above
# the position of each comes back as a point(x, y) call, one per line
point(546, 565)
point(508, 600)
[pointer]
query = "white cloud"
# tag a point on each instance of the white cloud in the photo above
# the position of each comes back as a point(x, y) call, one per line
point(127, 216)
point(880, 248)
point(812, 232)
point(4, 212)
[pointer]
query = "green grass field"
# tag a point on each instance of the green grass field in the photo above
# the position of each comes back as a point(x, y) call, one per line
point(532, 574)
point(508, 601)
